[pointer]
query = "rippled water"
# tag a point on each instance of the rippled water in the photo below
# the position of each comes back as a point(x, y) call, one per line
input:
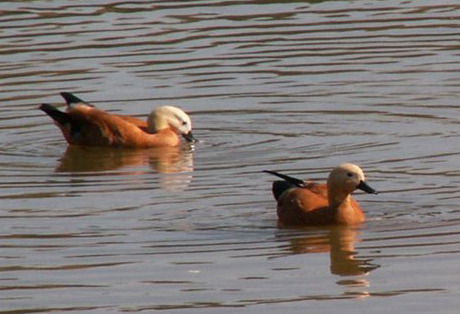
point(298, 86)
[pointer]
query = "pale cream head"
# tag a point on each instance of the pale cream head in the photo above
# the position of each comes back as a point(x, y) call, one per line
point(346, 178)
point(169, 117)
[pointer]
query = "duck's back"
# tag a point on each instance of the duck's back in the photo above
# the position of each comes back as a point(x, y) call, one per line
point(133, 120)
point(93, 127)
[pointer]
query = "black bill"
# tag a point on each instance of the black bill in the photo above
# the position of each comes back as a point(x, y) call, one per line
point(366, 188)
point(189, 137)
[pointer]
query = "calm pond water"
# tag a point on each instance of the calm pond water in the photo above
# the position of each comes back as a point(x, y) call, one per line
point(297, 86)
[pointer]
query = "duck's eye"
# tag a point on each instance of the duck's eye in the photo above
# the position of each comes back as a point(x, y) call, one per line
point(181, 121)
point(350, 174)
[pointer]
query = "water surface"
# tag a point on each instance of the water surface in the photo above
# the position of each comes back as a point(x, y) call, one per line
point(297, 86)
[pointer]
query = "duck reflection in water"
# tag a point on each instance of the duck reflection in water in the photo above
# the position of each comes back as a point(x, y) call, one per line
point(174, 163)
point(340, 242)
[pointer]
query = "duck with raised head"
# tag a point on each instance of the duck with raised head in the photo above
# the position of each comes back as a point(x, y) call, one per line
point(84, 124)
point(306, 203)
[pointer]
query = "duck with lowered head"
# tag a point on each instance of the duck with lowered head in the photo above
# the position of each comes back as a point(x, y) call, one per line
point(84, 124)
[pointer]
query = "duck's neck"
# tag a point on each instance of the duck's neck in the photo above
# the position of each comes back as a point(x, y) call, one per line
point(344, 211)
point(338, 200)
point(156, 123)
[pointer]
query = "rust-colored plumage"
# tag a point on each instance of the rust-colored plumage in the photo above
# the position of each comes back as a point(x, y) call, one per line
point(83, 124)
point(313, 204)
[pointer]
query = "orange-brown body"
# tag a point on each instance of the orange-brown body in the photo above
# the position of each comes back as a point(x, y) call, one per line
point(302, 203)
point(99, 128)
point(309, 206)
point(83, 124)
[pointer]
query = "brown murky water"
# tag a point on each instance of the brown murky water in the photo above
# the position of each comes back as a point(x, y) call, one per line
point(299, 86)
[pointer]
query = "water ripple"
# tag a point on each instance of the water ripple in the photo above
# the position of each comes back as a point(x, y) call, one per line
point(285, 85)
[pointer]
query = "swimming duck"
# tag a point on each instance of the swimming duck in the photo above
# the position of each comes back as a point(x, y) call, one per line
point(305, 203)
point(83, 124)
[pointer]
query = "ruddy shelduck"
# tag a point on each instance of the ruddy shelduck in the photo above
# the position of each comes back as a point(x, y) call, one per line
point(305, 203)
point(83, 124)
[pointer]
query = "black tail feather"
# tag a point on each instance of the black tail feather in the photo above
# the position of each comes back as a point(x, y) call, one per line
point(292, 180)
point(57, 115)
point(72, 99)
point(279, 187)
